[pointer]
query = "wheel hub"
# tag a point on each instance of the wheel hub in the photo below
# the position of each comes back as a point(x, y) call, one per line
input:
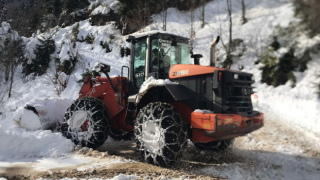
point(151, 136)
point(79, 121)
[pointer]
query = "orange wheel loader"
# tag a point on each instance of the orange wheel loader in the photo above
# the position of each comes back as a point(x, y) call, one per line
point(209, 106)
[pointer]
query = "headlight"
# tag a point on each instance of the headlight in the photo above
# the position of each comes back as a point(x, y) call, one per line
point(236, 76)
point(252, 78)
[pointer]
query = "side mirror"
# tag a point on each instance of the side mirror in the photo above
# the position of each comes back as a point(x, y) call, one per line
point(104, 68)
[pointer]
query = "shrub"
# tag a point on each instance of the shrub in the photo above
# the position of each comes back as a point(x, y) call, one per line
point(227, 62)
point(88, 72)
point(90, 38)
point(270, 63)
point(105, 46)
point(278, 71)
point(75, 30)
point(112, 37)
point(301, 63)
point(67, 66)
point(125, 51)
point(275, 44)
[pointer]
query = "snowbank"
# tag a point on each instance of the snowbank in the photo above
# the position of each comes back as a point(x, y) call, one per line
point(19, 143)
point(29, 141)
point(27, 119)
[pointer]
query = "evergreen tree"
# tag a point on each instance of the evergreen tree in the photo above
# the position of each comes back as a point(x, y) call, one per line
point(3, 11)
point(34, 21)
point(57, 7)
point(39, 65)
point(72, 5)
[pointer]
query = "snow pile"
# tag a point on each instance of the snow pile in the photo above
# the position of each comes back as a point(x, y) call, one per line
point(151, 81)
point(50, 113)
point(27, 119)
point(19, 143)
point(26, 140)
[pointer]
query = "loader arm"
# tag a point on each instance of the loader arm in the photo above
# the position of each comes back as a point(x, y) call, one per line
point(105, 92)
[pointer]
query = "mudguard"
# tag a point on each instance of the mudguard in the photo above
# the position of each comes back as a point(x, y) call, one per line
point(179, 92)
point(164, 93)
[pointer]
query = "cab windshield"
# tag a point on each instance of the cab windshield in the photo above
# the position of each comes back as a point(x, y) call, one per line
point(165, 53)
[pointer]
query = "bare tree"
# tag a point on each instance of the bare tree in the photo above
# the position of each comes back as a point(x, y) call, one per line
point(243, 18)
point(229, 5)
point(192, 32)
point(164, 15)
point(12, 54)
point(58, 79)
point(228, 48)
point(203, 2)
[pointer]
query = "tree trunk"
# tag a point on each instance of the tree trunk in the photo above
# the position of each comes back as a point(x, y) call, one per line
point(7, 71)
point(244, 19)
point(192, 29)
point(202, 13)
point(164, 18)
point(11, 79)
point(230, 25)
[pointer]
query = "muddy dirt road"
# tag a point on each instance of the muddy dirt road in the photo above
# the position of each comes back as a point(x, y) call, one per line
point(274, 152)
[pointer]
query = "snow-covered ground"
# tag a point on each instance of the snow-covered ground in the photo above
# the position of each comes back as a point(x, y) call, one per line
point(290, 112)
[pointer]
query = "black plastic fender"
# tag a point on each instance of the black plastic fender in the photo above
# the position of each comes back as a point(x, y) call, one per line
point(168, 93)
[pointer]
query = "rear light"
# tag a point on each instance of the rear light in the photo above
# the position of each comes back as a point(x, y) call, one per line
point(220, 76)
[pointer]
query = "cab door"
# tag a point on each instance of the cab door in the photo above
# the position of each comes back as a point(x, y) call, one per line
point(139, 63)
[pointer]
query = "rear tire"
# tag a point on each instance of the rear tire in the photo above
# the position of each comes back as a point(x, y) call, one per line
point(217, 146)
point(120, 135)
point(160, 134)
point(86, 122)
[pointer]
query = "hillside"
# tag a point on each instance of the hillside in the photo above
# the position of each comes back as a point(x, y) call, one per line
point(286, 148)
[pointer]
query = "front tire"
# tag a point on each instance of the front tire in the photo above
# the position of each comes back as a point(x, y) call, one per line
point(217, 146)
point(160, 134)
point(86, 122)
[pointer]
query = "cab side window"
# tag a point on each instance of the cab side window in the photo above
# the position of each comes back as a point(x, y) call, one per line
point(139, 62)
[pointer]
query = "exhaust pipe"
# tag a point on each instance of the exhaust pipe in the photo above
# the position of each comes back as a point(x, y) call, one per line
point(213, 51)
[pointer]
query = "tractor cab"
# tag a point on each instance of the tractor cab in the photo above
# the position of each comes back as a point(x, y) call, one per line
point(152, 54)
